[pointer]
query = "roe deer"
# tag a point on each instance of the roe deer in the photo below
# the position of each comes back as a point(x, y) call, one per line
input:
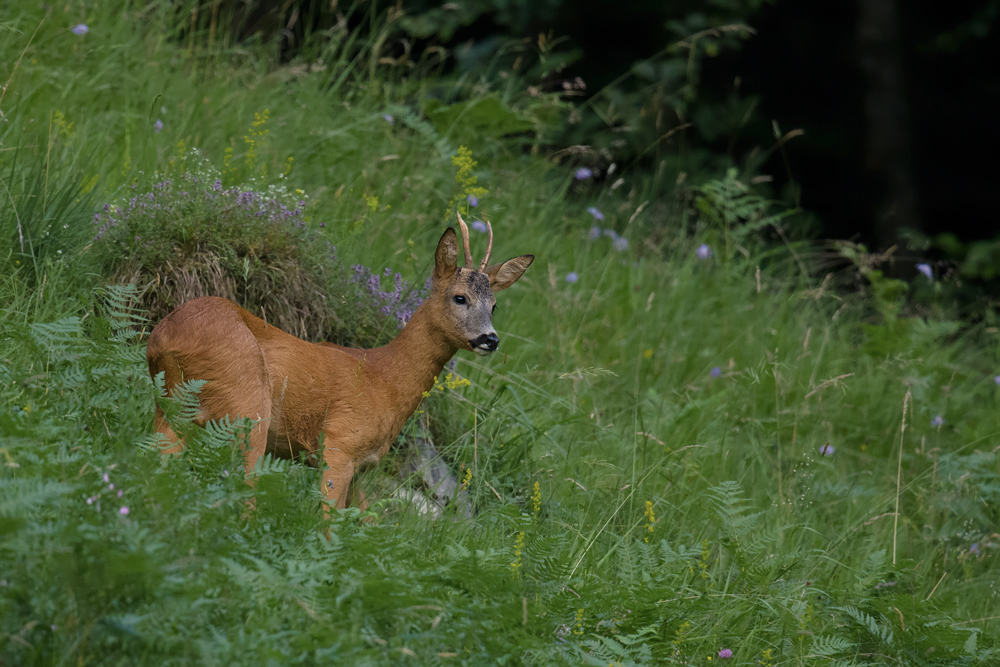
point(294, 391)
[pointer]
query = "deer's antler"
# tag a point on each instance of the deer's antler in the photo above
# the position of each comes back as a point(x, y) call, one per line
point(465, 239)
point(489, 247)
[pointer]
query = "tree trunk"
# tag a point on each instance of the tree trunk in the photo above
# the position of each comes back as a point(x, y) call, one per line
point(888, 145)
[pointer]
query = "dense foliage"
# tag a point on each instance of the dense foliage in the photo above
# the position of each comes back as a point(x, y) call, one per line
point(692, 448)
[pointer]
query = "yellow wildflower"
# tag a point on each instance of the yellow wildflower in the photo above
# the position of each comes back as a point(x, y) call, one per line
point(518, 548)
point(91, 184)
point(464, 177)
point(703, 561)
point(650, 520)
point(254, 137)
point(62, 126)
point(455, 382)
point(681, 633)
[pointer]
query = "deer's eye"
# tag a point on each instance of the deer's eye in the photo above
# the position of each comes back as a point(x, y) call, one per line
point(459, 299)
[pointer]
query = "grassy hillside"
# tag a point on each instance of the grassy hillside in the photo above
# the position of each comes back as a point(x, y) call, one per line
point(692, 448)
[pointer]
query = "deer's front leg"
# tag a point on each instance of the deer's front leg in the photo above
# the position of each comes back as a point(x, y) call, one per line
point(337, 476)
point(357, 492)
point(257, 444)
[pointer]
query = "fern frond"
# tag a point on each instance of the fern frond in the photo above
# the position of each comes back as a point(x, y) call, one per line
point(126, 319)
point(881, 632)
point(19, 497)
point(827, 646)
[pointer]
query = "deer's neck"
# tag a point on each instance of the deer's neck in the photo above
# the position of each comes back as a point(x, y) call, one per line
point(414, 358)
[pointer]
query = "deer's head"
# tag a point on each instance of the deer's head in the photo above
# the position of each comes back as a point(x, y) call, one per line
point(463, 295)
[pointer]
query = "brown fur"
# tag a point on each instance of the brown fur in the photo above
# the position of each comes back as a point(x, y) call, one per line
point(294, 391)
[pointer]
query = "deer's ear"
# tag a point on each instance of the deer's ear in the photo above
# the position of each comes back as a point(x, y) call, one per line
point(504, 275)
point(446, 255)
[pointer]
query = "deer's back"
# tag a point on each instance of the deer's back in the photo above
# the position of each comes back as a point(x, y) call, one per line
point(309, 385)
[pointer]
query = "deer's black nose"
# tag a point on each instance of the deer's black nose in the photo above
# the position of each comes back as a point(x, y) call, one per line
point(487, 342)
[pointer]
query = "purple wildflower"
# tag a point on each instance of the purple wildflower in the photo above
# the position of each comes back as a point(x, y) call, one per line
point(473, 200)
point(937, 421)
point(105, 478)
point(974, 549)
point(401, 303)
point(704, 251)
point(120, 492)
point(389, 119)
point(715, 372)
point(572, 277)
point(158, 125)
point(996, 379)
point(621, 244)
point(926, 270)
point(593, 210)
point(595, 233)
point(124, 510)
point(725, 654)
point(479, 226)
point(80, 29)
point(827, 450)
point(583, 174)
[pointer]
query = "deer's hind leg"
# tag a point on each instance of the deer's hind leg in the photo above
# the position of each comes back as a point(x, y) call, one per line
point(162, 426)
point(230, 360)
point(245, 391)
point(171, 378)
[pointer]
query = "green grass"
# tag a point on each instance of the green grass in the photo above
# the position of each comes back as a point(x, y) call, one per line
point(602, 395)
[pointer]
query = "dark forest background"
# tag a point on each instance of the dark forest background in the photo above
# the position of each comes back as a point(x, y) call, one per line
point(895, 102)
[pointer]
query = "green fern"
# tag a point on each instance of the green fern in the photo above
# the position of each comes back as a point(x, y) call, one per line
point(828, 646)
point(624, 649)
point(19, 498)
point(877, 629)
point(873, 571)
point(729, 204)
point(126, 319)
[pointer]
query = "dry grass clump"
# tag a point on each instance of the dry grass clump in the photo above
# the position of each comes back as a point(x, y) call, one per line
point(279, 290)
point(187, 236)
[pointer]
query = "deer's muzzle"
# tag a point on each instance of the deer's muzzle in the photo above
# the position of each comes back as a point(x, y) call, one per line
point(485, 344)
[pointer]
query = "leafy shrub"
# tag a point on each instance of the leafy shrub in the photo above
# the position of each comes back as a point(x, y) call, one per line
point(186, 236)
